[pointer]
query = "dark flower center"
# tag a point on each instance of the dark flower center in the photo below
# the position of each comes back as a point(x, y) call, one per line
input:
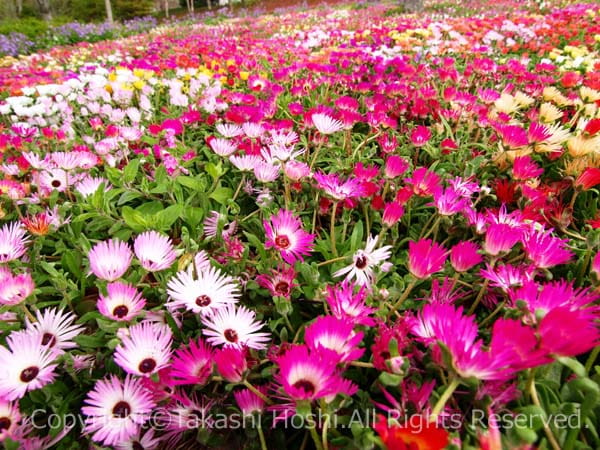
point(137, 446)
point(147, 365)
point(120, 311)
point(305, 385)
point(196, 414)
point(282, 241)
point(361, 262)
point(283, 288)
point(203, 300)
point(29, 374)
point(55, 183)
point(49, 339)
point(5, 423)
point(121, 409)
point(231, 335)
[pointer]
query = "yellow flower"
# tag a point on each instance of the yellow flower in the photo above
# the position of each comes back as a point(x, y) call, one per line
point(244, 75)
point(139, 84)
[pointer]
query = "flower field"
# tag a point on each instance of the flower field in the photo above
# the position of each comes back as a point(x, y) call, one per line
point(343, 226)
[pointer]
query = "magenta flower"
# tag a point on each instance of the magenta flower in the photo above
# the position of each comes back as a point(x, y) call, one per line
point(25, 365)
point(307, 375)
point(349, 305)
point(109, 260)
point(231, 363)
point(56, 328)
point(337, 335)
point(123, 302)
point(464, 256)
point(420, 136)
point(14, 289)
point(500, 238)
point(191, 364)
point(525, 168)
point(248, 402)
point(449, 202)
point(154, 250)
point(395, 166)
point(280, 282)
point(285, 234)
point(566, 332)
point(507, 277)
point(337, 189)
point(424, 183)
point(116, 410)
point(545, 250)
point(425, 258)
point(392, 213)
point(326, 124)
point(12, 242)
point(146, 349)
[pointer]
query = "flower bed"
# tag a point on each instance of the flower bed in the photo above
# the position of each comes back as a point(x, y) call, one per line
point(342, 227)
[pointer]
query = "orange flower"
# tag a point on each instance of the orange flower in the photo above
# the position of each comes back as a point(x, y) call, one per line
point(412, 435)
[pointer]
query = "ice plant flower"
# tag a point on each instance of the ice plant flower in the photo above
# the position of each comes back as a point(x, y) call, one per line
point(337, 335)
point(337, 189)
point(233, 326)
point(392, 213)
point(248, 402)
point(191, 364)
point(365, 261)
point(154, 251)
point(307, 375)
point(395, 166)
point(12, 242)
point(116, 410)
point(10, 416)
point(284, 233)
point(347, 304)
point(545, 250)
point(420, 136)
point(280, 282)
point(123, 302)
point(56, 328)
point(326, 124)
point(145, 350)
point(231, 363)
point(411, 434)
point(464, 256)
point(209, 289)
point(25, 365)
point(14, 289)
point(425, 258)
point(109, 260)
point(499, 238)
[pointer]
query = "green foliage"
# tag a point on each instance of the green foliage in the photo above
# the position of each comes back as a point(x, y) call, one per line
point(29, 26)
point(88, 10)
point(127, 9)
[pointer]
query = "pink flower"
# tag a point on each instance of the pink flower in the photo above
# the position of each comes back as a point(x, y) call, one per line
point(326, 124)
point(420, 136)
point(279, 283)
point(425, 258)
point(231, 363)
point(333, 186)
point(123, 302)
point(12, 242)
point(392, 213)
point(248, 402)
point(350, 305)
point(154, 250)
point(449, 202)
point(191, 364)
point(285, 234)
point(334, 334)
point(222, 147)
point(395, 166)
point(146, 349)
point(464, 256)
point(296, 170)
point(525, 168)
point(424, 183)
point(109, 260)
point(507, 277)
point(14, 288)
point(545, 250)
point(499, 238)
point(308, 375)
point(564, 332)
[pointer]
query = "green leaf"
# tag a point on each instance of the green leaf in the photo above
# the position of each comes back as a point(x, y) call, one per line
point(167, 217)
point(221, 194)
point(390, 379)
point(131, 170)
point(134, 219)
point(193, 215)
point(573, 364)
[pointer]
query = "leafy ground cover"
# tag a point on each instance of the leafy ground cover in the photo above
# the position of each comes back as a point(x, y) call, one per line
point(332, 227)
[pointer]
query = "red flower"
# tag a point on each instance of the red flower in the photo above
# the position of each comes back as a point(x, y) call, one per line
point(421, 435)
point(592, 127)
point(588, 179)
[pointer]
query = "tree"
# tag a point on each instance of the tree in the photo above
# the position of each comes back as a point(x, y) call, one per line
point(109, 14)
point(44, 6)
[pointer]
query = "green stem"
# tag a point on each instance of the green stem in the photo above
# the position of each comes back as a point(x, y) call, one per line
point(330, 261)
point(494, 313)
point(259, 394)
point(315, 436)
point(253, 213)
point(439, 405)
point(536, 401)
point(286, 192)
point(324, 433)
point(30, 316)
point(405, 295)
point(479, 296)
point(239, 188)
point(591, 359)
point(332, 229)
point(261, 436)
point(315, 155)
point(434, 227)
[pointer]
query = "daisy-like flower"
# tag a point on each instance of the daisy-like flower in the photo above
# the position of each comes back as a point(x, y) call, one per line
point(229, 130)
point(508, 277)
point(231, 363)
point(89, 185)
point(185, 413)
point(56, 329)
point(336, 335)
point(233, 326)
point(248, 402)
point(123, 302)
point(364, 262)
point(209, 290)
point(326, 124)
point(9, 419)
point(306, 375)
point(212, 222)
point(12, 242)
point(146, 350)
point(266, 172)
point(545, 250)
point(146, 442)
point(333, 186)
point(464, 256)
point(26, 365)
point(109, 260)
point(280, 282)
point(191, 364)
point(154, 250)
point(14, 288)
point(284, 233)
point(425, 258)
point(222, 147)
point(245, 163)
point(349, 305)
point(116, 410)
point(500, 237)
